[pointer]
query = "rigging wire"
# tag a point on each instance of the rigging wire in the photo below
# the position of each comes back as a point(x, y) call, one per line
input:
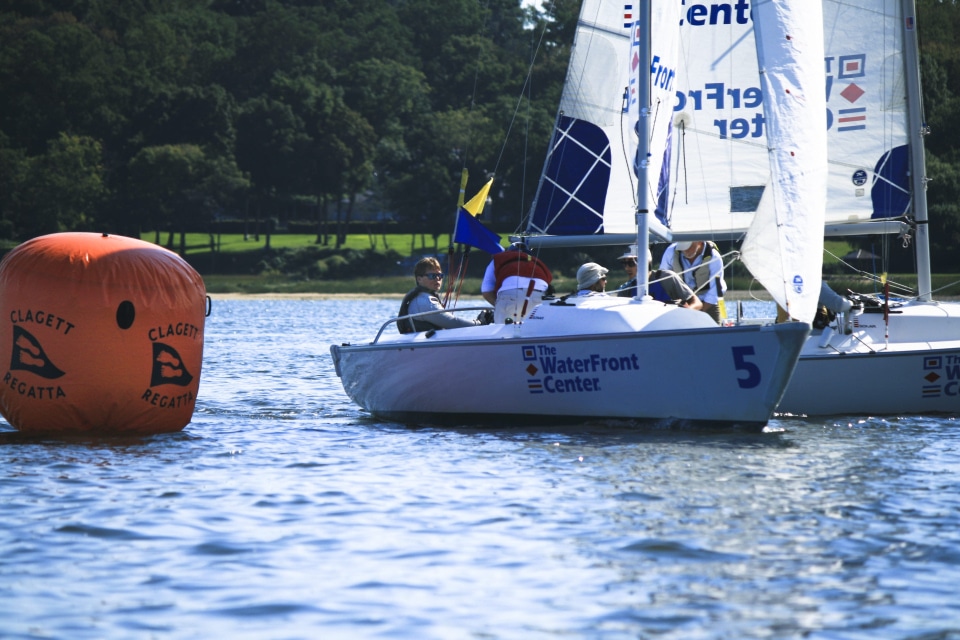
point(455, 283)
point(528, 89)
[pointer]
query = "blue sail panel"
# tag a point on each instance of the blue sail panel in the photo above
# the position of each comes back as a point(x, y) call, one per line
point(891, 186)
point(575, 182)
point(663, 183)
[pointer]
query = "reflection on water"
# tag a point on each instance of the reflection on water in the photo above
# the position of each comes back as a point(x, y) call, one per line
point(283, 511)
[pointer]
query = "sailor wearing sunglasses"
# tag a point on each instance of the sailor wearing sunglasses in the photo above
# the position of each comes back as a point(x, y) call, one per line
point(423, 298)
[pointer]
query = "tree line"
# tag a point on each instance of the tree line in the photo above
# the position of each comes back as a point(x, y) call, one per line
point(133, 115)
point(130, 115)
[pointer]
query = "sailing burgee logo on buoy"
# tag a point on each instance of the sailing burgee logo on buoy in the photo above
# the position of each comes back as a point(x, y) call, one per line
point(28, 355)
point(168, 367)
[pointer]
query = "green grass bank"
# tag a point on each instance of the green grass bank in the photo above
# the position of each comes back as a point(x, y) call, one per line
point(295, 264)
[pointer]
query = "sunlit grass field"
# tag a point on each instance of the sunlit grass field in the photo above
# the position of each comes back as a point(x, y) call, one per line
point(405, 244)
point(945, 285)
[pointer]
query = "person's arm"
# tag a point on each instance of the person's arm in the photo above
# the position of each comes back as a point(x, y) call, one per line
point(693, 302)
point(488, 287)
point(833, 300)
point(445, 320)
point(681, 292)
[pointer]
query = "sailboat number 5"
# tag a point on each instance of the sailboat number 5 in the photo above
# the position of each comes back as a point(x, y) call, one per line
point(740, 355)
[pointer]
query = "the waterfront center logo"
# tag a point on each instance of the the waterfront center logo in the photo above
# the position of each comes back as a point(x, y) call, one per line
point(942, 376)
point(549, 371)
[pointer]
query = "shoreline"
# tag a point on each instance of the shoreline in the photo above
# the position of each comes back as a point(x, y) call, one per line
point(310, 296)
point(731, 295)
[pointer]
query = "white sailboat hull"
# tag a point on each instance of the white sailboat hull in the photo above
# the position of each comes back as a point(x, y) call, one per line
point(600, 358)
point(916, 370)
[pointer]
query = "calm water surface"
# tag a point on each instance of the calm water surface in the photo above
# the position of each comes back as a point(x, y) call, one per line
point(283, 511)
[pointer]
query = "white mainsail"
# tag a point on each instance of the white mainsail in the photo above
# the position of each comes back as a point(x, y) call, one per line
point(783, 247)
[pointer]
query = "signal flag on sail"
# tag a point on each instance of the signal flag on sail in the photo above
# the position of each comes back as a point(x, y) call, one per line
point(471, 231)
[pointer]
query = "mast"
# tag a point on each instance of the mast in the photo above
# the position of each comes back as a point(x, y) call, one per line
point(916, 131)
point(643, 150)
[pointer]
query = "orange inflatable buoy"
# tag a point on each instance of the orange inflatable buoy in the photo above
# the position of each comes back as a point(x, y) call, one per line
point(99, 334)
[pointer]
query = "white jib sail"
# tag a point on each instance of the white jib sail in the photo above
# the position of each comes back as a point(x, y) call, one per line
point(784, 244)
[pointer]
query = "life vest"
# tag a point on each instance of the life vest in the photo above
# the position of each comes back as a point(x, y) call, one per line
point(518, 263)
point(413, 325)
point(701, 275)
point(628, 290)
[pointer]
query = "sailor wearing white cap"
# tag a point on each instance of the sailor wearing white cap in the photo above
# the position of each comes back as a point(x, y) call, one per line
point(591, 279)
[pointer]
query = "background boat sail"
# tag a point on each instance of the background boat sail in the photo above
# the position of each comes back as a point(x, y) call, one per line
point(894, 358)
point(584, 358)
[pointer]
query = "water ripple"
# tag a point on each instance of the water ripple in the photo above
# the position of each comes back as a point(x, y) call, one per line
point(283, 511)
